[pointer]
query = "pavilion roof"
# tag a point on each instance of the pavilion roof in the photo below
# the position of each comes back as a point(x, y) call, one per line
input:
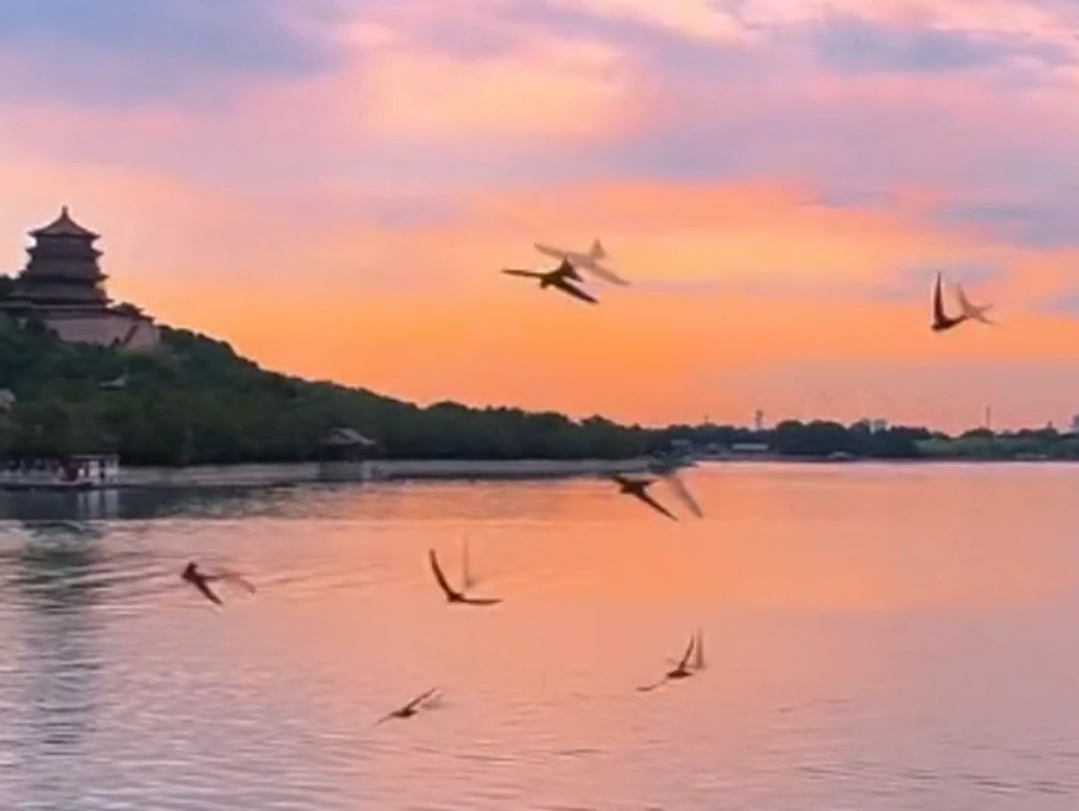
point(64, 226)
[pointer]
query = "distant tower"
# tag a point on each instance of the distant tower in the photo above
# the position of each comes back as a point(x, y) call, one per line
point(63, 270)
point(758, 420)
point(989, 418)
point(62, 286)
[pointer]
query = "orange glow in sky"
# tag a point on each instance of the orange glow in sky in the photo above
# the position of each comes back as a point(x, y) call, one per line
point(333, 186)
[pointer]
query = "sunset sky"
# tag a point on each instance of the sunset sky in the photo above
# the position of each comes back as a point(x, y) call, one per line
point(333, 185)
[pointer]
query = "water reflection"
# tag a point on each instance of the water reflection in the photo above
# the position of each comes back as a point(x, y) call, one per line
point(51, 506)
point(879, 637)
point(137, 503)
point(50, 573)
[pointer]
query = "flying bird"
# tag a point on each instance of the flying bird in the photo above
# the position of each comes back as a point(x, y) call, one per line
point(638, 489)
point(410, 709)
point(590, 261)
point(200, 581)
point(681, 671)
point(968, 311)
point(452, 594)
point(557, 278)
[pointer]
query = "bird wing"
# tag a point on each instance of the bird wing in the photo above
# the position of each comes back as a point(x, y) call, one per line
point(467, 580)
point(648, 687)
point(939, 316)
point(566, 287)
point(971, 310)
point(655, 505)
point(481, 600)
point(698, 653)
point(964, 302)
point(548, 250)
point(680, 490)
point(233, 577)
point(441, 578)
point(607, 275)
point(418, 700)
point(201, 586)
point(689, 651)
point(531, 274)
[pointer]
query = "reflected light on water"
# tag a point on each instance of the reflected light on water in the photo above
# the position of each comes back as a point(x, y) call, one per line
point(879, 637)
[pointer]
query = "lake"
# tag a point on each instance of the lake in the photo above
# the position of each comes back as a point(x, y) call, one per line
point(877, 637)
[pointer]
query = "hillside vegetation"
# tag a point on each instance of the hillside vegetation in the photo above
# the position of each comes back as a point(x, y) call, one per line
point(196, 401)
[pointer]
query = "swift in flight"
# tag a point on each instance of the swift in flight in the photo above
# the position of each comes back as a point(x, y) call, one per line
point(638, 489)
point(411, 708)
point(683, 670)
point(201, 581)
point(589, 261)
point(452, 594)
point(559, 278)
point(942, 321)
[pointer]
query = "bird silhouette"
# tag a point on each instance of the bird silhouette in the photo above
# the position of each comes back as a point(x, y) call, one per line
point(452, 594)
point(410, 709)
point(638, 489)
point(557, 278)
point(681, 671)
point(200, 581)
point(968, 311)
point(941, 320)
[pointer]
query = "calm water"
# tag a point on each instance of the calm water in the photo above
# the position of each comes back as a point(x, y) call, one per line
point(878, 637)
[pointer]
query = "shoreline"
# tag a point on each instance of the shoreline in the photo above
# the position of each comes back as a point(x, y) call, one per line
point(290, 474)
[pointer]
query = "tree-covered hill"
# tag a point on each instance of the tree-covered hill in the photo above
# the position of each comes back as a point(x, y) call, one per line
point(194, 400)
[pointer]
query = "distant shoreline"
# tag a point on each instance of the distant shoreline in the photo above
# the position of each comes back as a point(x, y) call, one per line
point(289, 474)
point(285, 474)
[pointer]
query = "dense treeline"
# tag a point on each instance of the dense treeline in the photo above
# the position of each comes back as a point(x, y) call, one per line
point(807, 440)
point(196, 401)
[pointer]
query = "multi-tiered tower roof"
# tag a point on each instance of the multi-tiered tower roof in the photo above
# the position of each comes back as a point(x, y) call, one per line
point(63, 288)
point(63, 267)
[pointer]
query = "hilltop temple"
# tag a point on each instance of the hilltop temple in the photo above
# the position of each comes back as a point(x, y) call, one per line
point(63, 286)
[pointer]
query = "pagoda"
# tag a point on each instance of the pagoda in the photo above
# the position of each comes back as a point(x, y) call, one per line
point(63, 269)
point(63, 286)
